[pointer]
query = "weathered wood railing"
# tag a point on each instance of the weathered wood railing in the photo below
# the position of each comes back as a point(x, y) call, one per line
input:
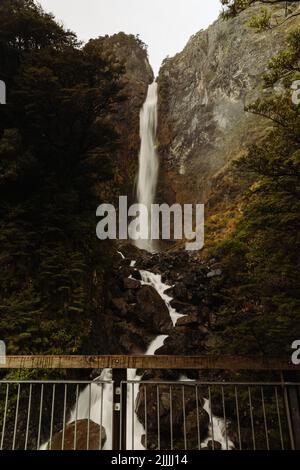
point(148, 362)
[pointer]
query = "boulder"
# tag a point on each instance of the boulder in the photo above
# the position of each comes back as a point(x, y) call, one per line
point(172, 404)
point(132, 338)
point(137, 275)
point(189, 320)
point(180, 306)
point(121, 305)
point(97, 436)
point(214, 445)
point(152, 311)
point(180, 291)
point(130, 283)
point(183, 341)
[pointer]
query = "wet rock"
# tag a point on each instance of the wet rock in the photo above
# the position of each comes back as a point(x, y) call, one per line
point(121, 305)
point(152, 311)
point(132, 338)
point(137, 275)
point(189, 320)
point(172, 404)
point(180, 291)
point(214, 445)
point(169, 292)
point(179, 306)
point(97, 435)
point(130, 283)
point(188, 343)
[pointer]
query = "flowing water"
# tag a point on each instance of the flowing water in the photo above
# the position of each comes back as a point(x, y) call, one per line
point(95, 401)
point(100, 397)
point(148, 165)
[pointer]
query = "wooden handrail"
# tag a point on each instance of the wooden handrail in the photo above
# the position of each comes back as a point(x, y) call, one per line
point(148, 362)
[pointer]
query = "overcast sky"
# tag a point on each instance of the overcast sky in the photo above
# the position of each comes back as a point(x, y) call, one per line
point(164, 25)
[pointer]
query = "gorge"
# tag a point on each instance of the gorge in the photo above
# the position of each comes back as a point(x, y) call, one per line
point(87, 123)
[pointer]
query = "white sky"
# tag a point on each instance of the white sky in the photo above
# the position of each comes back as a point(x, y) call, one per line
point(164, 25)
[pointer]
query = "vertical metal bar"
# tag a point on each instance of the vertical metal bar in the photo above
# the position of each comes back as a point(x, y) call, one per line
point(251, 417)
point(288, 413)
point(184, 418)
point(122, 411)
point(198, 420)
point(146, 417)
point(211, 419)
point(16, 417)
point(158, 416)
point(132, 415)
point(224, 415)
point(119, 409)
point(52, 415)
point(265, 418)
point(4, 417)
point(89, 419)
point(293, 400)
point(279, 418)
point(238, 416)
point(64, 418)
point(76, 417)
point(28, 417)
point(40, 417)
point(171, 417)
point(101, 419)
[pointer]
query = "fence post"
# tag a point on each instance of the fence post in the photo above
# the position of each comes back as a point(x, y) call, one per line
point(295, 413)
point(119, 409)
point(292, 405)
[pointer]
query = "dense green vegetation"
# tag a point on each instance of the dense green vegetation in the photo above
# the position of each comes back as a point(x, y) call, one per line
point(259, 296)
point(56, 143)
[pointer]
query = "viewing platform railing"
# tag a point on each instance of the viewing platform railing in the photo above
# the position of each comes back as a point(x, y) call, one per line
point(151, 412)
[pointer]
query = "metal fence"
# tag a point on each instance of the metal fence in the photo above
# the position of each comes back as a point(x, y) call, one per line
point(212, 415)
point(55, 415)
point(160, 415)
point(113, 412)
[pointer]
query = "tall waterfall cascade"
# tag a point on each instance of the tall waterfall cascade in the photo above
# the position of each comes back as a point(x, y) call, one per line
point(148, 164)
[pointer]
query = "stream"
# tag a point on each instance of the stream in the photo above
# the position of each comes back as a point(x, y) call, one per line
point(101, 406)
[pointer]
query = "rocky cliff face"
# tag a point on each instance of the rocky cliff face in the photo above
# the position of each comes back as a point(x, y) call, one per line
point(129, 51)
point(203, 92)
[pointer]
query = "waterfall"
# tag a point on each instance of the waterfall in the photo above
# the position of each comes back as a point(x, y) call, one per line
point(95, 402)
point(148, 163)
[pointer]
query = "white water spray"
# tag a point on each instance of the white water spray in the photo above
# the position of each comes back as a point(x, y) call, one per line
point(100, 396)
point(148, 163)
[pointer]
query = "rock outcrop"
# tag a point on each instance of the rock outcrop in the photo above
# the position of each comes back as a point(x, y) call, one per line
point(129, 52)
point(203, 91)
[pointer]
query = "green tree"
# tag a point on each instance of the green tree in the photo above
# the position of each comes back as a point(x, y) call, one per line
point(57, 146)
point(259, 310)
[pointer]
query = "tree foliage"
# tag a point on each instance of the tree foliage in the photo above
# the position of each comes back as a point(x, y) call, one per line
point(56, 146)
point(259, 309)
